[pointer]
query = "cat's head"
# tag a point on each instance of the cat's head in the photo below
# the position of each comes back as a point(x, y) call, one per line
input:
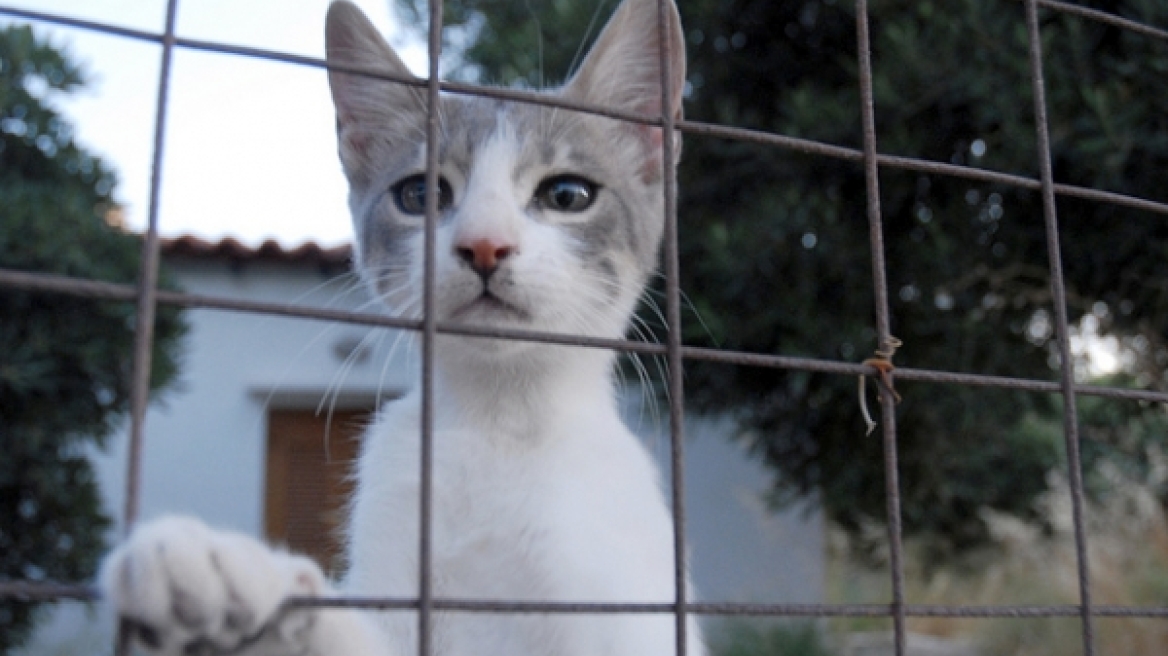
point(550, 219)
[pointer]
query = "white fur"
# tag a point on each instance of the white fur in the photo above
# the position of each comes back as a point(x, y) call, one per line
point(550, 503)
point(540, 493)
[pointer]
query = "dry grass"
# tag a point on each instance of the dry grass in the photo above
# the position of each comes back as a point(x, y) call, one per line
point(1128, 545)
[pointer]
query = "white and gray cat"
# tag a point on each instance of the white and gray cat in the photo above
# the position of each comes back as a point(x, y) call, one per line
point(551, 220)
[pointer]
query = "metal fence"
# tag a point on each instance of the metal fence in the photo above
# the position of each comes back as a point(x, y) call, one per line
point(147, 297)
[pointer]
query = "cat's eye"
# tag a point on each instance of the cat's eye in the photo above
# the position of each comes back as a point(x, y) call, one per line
point(566, 193)
point(410, 195)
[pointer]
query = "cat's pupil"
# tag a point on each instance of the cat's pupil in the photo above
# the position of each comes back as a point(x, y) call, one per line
point(566, 193)
point(410, 195)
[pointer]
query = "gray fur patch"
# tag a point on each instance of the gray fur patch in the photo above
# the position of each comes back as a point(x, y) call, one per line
point(626, 218)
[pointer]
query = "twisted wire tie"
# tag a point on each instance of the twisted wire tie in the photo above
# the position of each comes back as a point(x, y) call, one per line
point(881, 361)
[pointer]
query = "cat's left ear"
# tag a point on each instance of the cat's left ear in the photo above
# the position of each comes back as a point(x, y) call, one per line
point(623, 69)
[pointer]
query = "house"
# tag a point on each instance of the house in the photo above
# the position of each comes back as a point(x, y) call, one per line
point(258, 433)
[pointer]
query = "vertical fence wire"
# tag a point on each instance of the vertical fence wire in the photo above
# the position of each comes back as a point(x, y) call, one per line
point(147, 305)
point(147, 302)
point(887, 344)
point(675, 365)
point(429, 333)
point(1062, 324)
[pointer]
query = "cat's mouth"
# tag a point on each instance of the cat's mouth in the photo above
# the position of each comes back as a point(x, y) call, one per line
point(489, 306)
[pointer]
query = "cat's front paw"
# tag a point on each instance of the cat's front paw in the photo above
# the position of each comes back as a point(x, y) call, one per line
point(180, 587)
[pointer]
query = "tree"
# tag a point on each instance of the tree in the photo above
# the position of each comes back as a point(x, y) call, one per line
point(64, 361)
point(775, 253)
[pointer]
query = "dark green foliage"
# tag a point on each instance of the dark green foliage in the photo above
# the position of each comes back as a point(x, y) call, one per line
point(1124, 443)
point(64, 361)
point(743, 638)
point(775, 245)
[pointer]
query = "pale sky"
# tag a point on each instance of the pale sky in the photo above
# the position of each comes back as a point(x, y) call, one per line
point(250, 150)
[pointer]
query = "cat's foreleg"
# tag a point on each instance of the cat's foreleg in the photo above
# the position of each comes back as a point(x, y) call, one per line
point(181, 587)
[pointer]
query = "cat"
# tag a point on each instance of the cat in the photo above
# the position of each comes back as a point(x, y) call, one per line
point(550, 220)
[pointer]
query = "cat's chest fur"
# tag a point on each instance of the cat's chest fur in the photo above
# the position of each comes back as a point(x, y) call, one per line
point(513, 501)
point(568, 512)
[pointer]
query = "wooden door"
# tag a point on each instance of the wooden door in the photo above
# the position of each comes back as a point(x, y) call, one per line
point(310, 461)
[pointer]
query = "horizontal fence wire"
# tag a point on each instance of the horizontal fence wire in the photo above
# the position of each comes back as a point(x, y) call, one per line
point(796, 144)
point(118, 292)
point(146, 295)
point(42, 591)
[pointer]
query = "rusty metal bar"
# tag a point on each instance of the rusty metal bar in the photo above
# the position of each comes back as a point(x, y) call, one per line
point(1062, 324)
point(886, 345)
point(1106, 18)
point(115, 292)
point(147, 304)
point(795, 144)
point(148, 286)
point(49, 591)
point(675, 370)
point(429, 334)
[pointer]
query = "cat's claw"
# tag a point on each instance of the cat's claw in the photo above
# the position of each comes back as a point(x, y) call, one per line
point(180, 587)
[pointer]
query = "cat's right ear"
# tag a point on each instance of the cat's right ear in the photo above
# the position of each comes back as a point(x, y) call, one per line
point(623, 71)
point(370, 109)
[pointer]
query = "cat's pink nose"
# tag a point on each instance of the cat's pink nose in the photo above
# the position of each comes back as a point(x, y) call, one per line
point(484, 254)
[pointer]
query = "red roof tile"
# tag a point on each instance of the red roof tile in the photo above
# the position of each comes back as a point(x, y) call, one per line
point(269, 251)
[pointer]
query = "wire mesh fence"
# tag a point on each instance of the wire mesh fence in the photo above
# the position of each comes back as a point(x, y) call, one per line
point(147, 296)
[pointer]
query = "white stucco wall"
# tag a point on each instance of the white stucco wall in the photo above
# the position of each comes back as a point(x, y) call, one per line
point(205, 441)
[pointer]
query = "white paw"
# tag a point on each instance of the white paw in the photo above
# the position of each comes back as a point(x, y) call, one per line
point(182, 588)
